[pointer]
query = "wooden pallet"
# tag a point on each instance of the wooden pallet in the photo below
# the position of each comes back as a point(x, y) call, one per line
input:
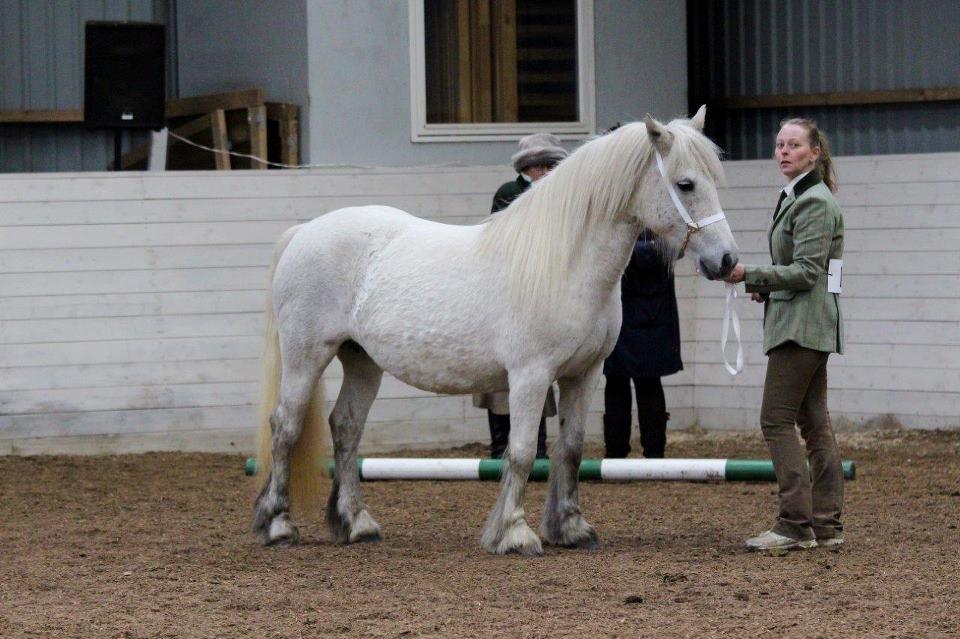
point(240, 121)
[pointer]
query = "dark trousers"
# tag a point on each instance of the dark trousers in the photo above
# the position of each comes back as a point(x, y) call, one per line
point(618, 419)
point(500, 435)
point(795, 394)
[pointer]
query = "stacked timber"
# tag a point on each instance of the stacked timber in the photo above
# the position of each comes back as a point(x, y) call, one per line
point(241, 121)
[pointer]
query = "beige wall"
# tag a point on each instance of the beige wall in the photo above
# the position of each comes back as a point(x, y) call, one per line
point(130, 304)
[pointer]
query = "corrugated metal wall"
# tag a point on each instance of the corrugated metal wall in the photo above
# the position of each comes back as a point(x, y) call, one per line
point(41, 67)
point(761, 47)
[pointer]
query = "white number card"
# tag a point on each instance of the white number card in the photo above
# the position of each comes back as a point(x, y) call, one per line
point(835, 276)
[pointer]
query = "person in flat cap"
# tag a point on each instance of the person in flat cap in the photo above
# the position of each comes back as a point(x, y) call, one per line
point(537, 154)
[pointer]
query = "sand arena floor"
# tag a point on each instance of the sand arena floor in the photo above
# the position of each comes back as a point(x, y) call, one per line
point(158, 545)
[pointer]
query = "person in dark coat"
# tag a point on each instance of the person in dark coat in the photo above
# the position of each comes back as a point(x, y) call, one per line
point(647, 349)
point(538, 153)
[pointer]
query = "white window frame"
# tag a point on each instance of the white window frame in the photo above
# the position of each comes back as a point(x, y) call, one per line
point(421, 131)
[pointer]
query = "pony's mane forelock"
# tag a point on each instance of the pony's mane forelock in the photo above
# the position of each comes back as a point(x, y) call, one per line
point(691, 146)
point(539, 234)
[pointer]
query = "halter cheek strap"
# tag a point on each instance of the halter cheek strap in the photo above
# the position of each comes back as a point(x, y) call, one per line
point(730, 315)
point(692, 227)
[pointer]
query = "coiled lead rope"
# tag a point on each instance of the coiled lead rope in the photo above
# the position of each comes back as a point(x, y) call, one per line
point(730, 316)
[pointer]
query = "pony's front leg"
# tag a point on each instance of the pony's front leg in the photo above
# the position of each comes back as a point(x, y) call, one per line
point(563, 525)
point(506, 530)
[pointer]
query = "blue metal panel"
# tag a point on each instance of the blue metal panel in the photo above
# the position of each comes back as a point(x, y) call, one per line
point(757, 47)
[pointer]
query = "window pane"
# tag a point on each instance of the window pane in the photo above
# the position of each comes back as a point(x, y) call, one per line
point(547, 60)
point(501, 60)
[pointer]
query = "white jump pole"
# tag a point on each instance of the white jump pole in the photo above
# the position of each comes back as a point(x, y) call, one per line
point(440, 468)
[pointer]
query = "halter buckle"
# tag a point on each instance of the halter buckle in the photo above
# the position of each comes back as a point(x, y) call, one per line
point(692, 227)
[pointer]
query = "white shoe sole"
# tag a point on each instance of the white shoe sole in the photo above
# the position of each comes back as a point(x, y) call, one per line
point(796, 545)
point(830, 542)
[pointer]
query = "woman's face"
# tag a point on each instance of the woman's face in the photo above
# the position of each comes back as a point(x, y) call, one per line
point(537, 172)
point(793, 152)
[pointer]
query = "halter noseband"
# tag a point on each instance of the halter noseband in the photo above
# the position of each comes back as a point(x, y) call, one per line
point(692, 227)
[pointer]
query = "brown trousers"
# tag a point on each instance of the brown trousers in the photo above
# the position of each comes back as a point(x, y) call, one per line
point(795, 394)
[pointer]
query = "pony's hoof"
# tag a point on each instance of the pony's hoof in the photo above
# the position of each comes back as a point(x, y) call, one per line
point(262, 517)
point(574, 532)
point(282, 532)
point(284, 542)
point(357, 529)
point(364, 528)
point(591, 541)
point(517, 540)
point(528, 550)
point(366, 538)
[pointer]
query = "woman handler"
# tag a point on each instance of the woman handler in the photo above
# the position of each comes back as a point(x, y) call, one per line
point(802, 325)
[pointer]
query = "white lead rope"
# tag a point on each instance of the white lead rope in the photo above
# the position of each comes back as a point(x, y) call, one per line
point(730, 312)
point(730, 316)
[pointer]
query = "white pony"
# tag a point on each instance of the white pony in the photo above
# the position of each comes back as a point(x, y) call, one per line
point(527, 298)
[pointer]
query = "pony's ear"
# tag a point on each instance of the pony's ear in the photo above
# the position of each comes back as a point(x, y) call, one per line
point(658, 134)
point(698, 120)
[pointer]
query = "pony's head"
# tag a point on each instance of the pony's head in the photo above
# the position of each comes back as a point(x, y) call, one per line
point(681, 184)
point(613, 181)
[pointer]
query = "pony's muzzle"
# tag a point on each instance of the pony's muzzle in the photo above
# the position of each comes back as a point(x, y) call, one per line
point(716, 271)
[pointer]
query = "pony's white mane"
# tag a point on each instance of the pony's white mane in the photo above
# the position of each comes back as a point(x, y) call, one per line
point(541, 233)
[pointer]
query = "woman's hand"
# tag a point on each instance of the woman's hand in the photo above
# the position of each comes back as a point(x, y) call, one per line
point(736, 275)
point(757, 297)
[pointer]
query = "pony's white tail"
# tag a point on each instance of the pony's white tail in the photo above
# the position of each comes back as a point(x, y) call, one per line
point(307, 465)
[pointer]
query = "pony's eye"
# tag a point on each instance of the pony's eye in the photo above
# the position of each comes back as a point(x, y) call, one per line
point(685, 185)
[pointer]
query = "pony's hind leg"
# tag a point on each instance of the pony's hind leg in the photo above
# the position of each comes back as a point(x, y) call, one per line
point(298, 383)
point(506, 530)
point(563, 525)
point(347, 515)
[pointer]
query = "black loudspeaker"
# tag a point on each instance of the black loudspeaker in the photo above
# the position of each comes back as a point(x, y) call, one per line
point(124, 75)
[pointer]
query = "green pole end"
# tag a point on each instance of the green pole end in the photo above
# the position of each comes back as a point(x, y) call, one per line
point(492, 470)
point(590, 469)
point(762, 470)
point(489, 469)
point(250, 468)
point(540, 470)
point(749, 470)
point(849, 469)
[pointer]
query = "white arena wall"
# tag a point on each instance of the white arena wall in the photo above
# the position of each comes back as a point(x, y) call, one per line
point(131, 303)
point(901, 295)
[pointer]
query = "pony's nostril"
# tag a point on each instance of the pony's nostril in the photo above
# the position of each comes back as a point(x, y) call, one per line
point(726, 263)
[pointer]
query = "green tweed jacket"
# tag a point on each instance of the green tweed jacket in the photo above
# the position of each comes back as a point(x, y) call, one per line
point(806, 232)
